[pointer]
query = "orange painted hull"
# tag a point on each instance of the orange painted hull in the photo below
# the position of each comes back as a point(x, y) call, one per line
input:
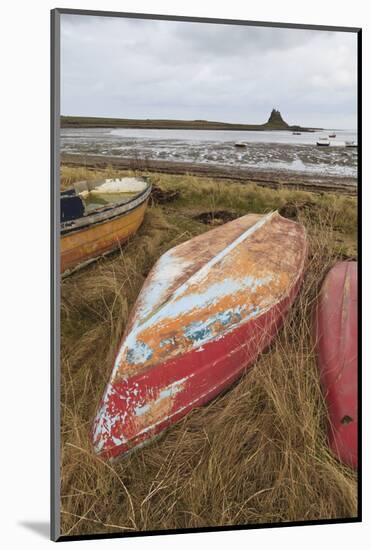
point(208, 308)
point(86, 244)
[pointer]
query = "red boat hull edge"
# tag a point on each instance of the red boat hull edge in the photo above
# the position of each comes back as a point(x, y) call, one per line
point(201, 375)
point(336, 338)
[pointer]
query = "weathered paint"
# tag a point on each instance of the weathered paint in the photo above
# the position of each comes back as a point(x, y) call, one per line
point(197, 325)
point(336, 339)
point(99, 238)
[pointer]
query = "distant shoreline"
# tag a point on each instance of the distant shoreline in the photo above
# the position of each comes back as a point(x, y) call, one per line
point(266, 178)
point(97, 122)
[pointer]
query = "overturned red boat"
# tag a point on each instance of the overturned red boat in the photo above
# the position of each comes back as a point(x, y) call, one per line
point(336, 337)
point(207, 309)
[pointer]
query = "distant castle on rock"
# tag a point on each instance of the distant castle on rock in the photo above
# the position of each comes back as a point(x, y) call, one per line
point(275, 120)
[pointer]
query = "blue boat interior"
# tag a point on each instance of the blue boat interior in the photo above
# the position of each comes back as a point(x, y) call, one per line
point(72, 206)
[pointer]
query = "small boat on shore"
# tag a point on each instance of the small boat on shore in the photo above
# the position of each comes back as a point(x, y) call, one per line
point(206, 311)
point(96, 217)
point(336, 340)
point(323, 142)
point(240, 144)
point(350, 144)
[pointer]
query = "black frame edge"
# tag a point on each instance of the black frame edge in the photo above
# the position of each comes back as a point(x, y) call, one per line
point(225, 528)
point(98, 13)
point(54, 277)
point(359, 272)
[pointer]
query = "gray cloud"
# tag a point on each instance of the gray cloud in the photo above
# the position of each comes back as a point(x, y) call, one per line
point(160, 69)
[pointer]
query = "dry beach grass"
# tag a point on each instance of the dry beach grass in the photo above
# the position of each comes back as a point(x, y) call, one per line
point(256, 454)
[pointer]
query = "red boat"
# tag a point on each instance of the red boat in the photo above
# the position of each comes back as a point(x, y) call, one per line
point(335, 331)
point(207, 309)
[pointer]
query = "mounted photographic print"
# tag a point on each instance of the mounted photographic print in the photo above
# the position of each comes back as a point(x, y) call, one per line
point(205, 205)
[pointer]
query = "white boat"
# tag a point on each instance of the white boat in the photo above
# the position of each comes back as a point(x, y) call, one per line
point(323, 141)
point(350, 144)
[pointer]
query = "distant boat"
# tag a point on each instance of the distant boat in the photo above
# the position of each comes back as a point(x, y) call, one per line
point(332, 135)
point(350, 144)
point(323, 141)
point(240, 144)
point(296, 133)
point(208, 308)
point(93, 224)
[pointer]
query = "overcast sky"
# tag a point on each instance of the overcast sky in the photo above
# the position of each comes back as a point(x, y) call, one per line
point(132, 68)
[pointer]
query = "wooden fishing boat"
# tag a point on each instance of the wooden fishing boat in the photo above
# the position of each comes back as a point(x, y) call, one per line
point(207, 309)
point(335, 333)
point(96, 217)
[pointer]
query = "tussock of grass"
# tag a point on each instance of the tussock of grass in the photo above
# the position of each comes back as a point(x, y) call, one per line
point(256, 454)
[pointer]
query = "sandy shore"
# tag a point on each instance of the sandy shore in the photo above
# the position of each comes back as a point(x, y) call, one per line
point(266, 178)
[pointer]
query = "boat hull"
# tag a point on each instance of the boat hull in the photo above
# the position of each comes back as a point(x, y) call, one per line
point(89, 243)
point(160, 397)
point(206, 311)
point(335, 333)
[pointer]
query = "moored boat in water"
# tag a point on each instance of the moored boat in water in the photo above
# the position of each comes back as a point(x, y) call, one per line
point(207, 309)
point(336, 340)
point(96, 217)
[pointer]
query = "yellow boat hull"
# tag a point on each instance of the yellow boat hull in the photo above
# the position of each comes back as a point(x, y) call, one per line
point(84, 245)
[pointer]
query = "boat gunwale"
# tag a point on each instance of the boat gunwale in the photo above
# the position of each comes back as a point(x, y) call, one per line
point(103, 213)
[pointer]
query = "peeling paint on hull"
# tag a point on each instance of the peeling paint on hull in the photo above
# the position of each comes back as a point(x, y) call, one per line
point(336, 339)
point(198, 325)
